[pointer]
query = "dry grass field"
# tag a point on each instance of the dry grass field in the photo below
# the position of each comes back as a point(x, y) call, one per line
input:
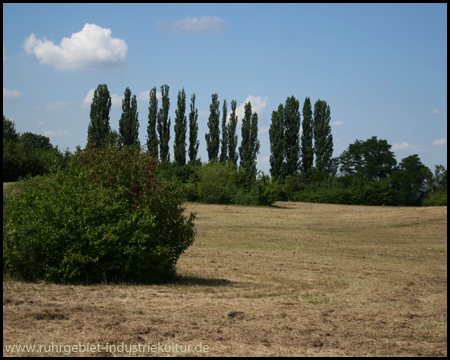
point(292, 280)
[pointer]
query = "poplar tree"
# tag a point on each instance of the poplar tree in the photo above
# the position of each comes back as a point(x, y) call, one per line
point(99, 129)
point(224, 141)
point(129, 122)
point(164, 125)
point(291, 118)
point(249, 148)
point(307, 150)
point(323, 140)
point(213, 137)
point(232, 136)
point(180, 130)
point(152, 137)
point(276, 137)
point(193, 131)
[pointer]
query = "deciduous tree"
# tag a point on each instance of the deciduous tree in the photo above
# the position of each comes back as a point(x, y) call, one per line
point(99, 128)
point(371, 159)
point(276, 136)
point(129, 122)
point(232, 136)
point(307, 150)
point(193, 131)
point(323, 139)
point(152, 137)
point(180, 130)
point(249, 148)
point(213, 137)
point(224, 141)
point(291, 119)
point(164, 125)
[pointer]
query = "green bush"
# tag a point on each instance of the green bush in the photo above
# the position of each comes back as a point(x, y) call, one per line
point(263, 192)
point(105, 218)
point(20, 159)
point(217, 183)
point(436, 198)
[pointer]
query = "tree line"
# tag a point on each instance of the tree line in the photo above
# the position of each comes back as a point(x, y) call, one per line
point(220, 148)
point(301, 146)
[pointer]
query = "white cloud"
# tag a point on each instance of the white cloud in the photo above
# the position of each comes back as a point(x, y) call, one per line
point(258, 105)
point(189, 24)
point(338, 123)
point(263, 160)
point(263, 130)
point(403, 147)
point(58, 105)
point(91, 48)
point(11, 94)
point(41, 123)
point(435, 111)
point(116, 101)
point(58, 133)
point(88, 99)
point(203, 113)
point(145, 96)
point(439, 142)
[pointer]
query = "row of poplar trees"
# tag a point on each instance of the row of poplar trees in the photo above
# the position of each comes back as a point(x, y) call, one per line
point(158, 130)
point(290, 152)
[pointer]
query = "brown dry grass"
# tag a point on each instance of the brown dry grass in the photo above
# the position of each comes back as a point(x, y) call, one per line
point(293, 280)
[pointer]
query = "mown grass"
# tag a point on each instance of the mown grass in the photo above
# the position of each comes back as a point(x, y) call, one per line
point(292, 280)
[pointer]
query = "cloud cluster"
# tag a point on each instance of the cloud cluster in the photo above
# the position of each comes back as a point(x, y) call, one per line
point(203, 24)
point(145, 96)
point(58, 133)
point(11, 94)
point(258, 106)
point(404, 147)
point(91, 48)
point(440, 142)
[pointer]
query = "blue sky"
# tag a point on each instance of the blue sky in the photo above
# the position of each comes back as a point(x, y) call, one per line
point(382, 68)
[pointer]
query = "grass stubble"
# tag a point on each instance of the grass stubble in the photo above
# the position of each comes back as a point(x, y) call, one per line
point(295, 279)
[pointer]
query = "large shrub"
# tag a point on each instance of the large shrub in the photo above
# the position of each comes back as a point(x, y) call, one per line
point(217, 183)
point(105, 218)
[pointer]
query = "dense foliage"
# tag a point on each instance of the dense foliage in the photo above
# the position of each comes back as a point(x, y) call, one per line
point(129, 121)
point(105, 218)
point(28, 154)
point(301, 164)
point(99, 129)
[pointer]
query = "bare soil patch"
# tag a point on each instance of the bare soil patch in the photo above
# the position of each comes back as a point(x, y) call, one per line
point(292, 280)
